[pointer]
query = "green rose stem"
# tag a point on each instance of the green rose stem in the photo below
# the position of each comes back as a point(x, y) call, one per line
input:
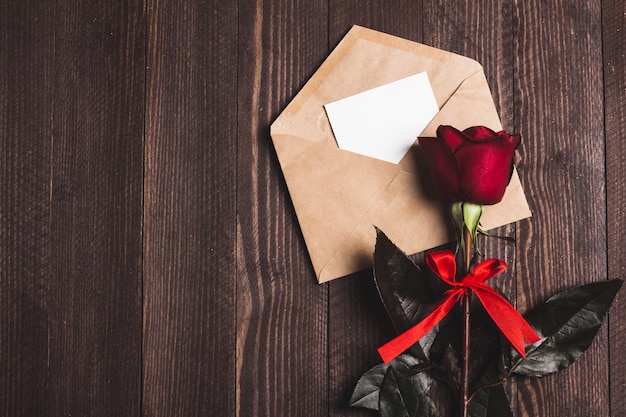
point(467, 257)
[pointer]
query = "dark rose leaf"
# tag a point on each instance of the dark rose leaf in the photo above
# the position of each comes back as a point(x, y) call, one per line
point(567, 324)
point(403, 287)
point(492, 401)
point(367, 390)
point(403, 397)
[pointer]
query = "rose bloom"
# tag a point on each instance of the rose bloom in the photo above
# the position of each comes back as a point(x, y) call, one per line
point(472, 166)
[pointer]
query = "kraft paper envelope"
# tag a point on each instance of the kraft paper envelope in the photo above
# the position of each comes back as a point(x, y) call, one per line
point(339, 196)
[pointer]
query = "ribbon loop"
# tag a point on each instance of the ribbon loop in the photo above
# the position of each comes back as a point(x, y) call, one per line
point(509, 321)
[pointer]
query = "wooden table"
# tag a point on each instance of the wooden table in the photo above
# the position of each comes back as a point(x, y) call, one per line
point(151, 262)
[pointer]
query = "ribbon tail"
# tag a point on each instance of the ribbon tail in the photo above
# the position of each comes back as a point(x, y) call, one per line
point(390, 350)
point(510, 322)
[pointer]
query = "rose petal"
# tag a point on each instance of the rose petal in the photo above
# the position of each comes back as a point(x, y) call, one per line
point(453, 137)
point(471, 166)
point(443, 167)
point(479, 133)
point(485, 169)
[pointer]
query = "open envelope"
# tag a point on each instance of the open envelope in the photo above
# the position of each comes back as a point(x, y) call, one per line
point(338, 195)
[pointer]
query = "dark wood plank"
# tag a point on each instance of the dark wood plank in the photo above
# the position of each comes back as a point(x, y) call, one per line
point(189, 217)
point(401, 18)
point(233, 321)
point(350, 359)
point(358, 323)
point(94, 281)
point(559, 110)
point(281, 310)
point(614, 39)
point(26, 36)
point(481, 30)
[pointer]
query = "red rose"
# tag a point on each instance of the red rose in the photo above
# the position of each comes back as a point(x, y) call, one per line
point(473, 166)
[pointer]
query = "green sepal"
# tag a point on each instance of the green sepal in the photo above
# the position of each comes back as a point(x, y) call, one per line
point(466, 215)
point(483, 232)
point(471, 218)
point(456, 215)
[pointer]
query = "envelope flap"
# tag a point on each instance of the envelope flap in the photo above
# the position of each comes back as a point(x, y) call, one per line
point(472, 93)
point(411, 218)
point(331, 190)
point(365, 59)
point(419, 222)
point(338, 195)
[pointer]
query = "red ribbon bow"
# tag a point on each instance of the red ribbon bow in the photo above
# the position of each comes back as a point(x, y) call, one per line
point(508, 320)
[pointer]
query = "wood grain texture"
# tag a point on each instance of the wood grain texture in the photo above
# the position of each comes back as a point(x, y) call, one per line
point(397, 17)
point(559, 110)
point(281, 310)
point(151, 262)
point(354, 303)
point(614, 39)
point(358, 323)
point(189, 217)
point(26, 58)
point(495, 53)
point(94, 275)
point(480, 30)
